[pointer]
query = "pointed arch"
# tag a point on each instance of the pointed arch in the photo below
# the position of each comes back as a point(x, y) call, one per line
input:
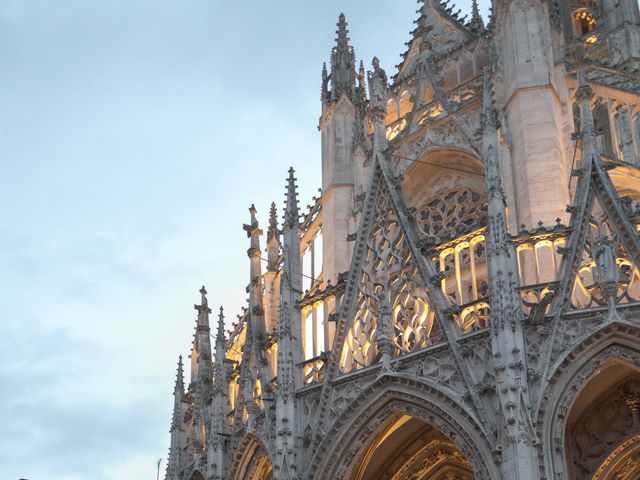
point(610, 350)
point(196, 475)
point(251, 460)
point(387, 399)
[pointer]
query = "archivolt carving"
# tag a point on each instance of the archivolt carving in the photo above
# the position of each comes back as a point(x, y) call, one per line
point(608, 345)
point(251, 457)
point(389, 276)
point(430, 461)
point(451, 213)
point(623, 463)
point(390, 395)
point(603, 427)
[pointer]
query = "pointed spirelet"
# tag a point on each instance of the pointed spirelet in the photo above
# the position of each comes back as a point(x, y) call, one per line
point(325, 83)
point(220, 338)
point(180, 376)
point(342, 40)
point(343, 64)
point(273, 222)
point(476, 24)
point(291, 212)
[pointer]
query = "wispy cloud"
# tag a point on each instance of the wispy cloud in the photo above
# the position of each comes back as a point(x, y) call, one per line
point(133, 137)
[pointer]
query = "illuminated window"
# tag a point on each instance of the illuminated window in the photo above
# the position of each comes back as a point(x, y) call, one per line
point(584, 22)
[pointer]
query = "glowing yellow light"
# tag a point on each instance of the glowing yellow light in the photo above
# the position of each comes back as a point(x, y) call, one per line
point(592, 39)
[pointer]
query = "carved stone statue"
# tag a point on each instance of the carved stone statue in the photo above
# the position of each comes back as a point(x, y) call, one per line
point(377, 85)
point(606, 267)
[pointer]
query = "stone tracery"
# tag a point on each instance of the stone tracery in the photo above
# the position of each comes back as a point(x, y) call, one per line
point(389, 275)
point(451, 213)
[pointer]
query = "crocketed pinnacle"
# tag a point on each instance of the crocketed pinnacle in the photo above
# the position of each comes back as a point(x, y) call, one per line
point(273, 222)
point(220, 340)
point(291, 213)
point(180, 377)
point(476, 24)
point(343, 64)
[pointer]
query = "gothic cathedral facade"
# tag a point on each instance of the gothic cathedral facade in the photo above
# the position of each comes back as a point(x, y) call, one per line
point(462, 300)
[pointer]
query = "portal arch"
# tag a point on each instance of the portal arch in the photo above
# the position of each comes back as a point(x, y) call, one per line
point(585, 417)
point(251, 461)
point(436, 433)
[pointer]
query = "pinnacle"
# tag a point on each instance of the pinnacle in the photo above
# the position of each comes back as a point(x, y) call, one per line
point(342, 29)
point(273, 221)
point(476, 24)
point(220, 335)
point(291, 207)
point(180, 375)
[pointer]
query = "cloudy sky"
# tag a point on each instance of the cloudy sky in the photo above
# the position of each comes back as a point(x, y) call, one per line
point(134, 135)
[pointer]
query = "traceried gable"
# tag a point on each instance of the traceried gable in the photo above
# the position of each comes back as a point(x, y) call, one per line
point(388, 276)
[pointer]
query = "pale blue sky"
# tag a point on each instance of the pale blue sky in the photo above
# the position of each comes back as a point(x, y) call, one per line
point(134, 135)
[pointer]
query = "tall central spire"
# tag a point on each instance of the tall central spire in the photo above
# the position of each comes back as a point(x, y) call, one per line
point(343, 64)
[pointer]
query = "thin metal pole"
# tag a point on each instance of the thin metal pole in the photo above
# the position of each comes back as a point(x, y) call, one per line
point(158, 474)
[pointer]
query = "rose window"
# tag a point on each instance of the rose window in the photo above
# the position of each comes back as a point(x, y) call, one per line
point(450, 214)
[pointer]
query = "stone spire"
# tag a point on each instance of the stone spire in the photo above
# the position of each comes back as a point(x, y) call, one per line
point(220, 340)
point(343, 64)
point(516, 429)
point(256, 312)
point(219, 413)
point(201, 371)
point(177, 432)
point(291, 212)
point(291, 288)
point(273, 240)
point(178, 394)
point(476, 24)
point(289, 334)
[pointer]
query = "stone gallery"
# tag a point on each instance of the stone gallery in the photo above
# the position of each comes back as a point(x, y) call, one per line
point(462, 300)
